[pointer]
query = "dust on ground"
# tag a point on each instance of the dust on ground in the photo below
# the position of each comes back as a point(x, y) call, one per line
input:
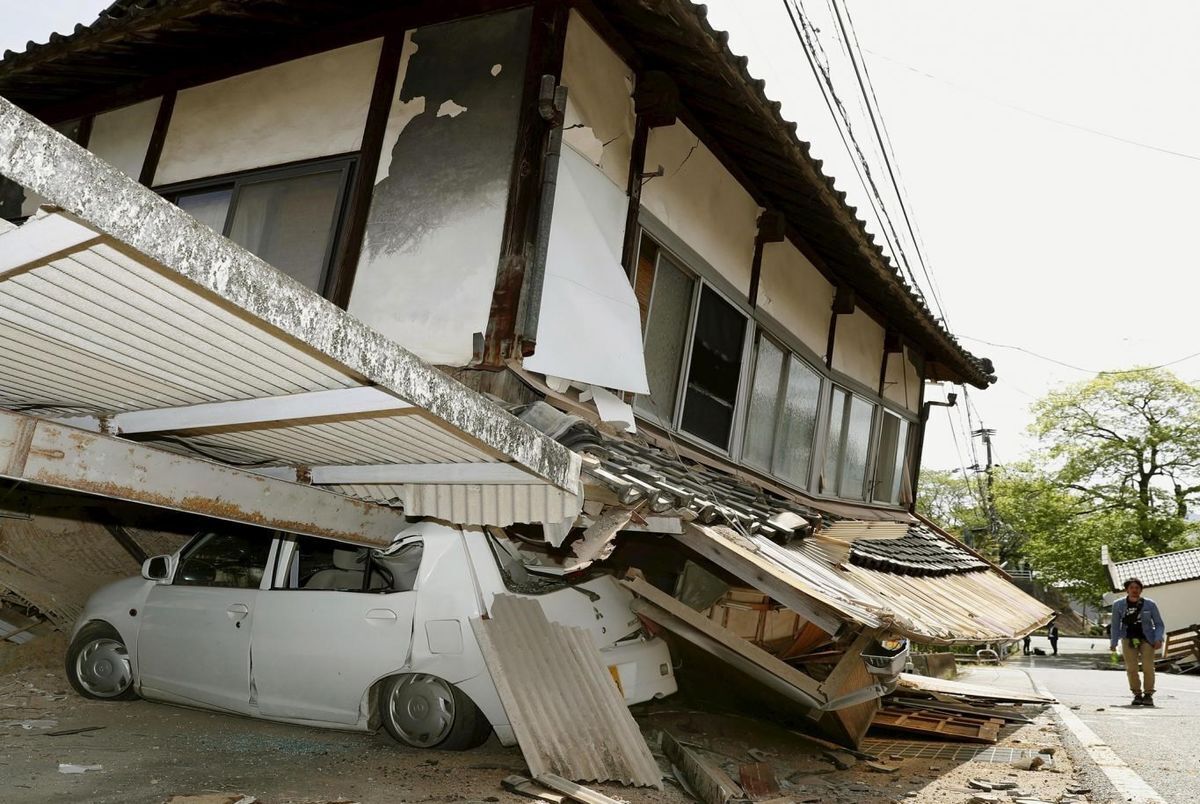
point(149, 752)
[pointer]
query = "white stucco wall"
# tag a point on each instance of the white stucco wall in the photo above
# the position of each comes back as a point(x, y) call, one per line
point(432, 246)
point(858, 347)
point(121, 137)
point(302, 109)
point(599, 121)
point(701, 202)
point(794, 293)
point(1179, 603)
point(902, 384)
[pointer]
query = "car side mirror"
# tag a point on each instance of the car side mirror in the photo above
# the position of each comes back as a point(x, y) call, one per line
point(156, 568)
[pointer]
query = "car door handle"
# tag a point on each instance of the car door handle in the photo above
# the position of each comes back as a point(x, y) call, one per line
point(238, 611)
point(381, 615)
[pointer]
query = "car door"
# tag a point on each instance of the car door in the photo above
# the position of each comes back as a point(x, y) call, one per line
point(334, 621)
point(194, 640)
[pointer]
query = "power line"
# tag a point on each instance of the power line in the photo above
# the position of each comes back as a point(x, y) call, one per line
point(810, 43)
point(875, 114)
point(1073, 367)
point(1055, 120)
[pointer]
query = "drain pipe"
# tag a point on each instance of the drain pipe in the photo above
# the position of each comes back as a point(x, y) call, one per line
point(951, 401)
point(552, 106)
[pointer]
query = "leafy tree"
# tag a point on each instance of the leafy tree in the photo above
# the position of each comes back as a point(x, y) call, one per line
point(1127, 447)
point(949, 499)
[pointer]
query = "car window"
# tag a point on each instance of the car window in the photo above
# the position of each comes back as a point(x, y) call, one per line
point(323, 565)
point(231, 558)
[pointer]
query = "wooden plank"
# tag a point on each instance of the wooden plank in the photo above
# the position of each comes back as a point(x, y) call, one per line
point(911, 681)
point(528, 788)
point(940, 724)
point(725, 637)
point(758, 781)
point(962, 709)
point(577, 792)
point(710, 784)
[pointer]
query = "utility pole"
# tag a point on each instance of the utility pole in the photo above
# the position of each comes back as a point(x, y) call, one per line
point(989, 500)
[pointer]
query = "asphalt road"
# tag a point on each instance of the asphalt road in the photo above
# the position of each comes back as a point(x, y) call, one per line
point(1159, 744)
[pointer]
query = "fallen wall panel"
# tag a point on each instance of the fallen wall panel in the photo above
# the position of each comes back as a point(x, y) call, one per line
point(568, 714)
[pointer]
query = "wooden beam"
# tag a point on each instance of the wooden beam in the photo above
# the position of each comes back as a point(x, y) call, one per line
point(337, 403)
point(362, 185)
point(426, 473)
point(158, 136)
point(521, 218)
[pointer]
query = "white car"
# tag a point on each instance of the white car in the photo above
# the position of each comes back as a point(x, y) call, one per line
point(319, 633)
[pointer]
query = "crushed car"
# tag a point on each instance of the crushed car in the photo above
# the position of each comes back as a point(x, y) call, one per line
point(322, 633)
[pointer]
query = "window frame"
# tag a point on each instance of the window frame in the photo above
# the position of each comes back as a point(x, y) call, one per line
point(202, 537)
point(343, 164)
point(759, 325)
point(699, 283)
point(788, 355)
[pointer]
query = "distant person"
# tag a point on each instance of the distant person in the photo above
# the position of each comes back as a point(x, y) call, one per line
point(1138, 627)
point(1025, 649)
point(1052, 634)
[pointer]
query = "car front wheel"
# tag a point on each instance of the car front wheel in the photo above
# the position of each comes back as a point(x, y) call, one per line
point(425, 711)
point(98, 664)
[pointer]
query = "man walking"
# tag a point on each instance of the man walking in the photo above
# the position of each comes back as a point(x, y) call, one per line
point(1052, 634)
point(1138, 627)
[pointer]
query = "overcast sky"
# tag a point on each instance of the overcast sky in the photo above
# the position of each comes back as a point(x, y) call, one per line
point(1039, 234)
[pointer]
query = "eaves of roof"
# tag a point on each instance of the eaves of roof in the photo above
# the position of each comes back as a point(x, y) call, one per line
point(133, 40)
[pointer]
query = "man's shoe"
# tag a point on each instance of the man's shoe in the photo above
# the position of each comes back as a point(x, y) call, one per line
point(1139, 699)
point(1148, 699)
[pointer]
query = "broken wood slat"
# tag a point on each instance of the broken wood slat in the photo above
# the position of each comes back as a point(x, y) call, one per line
point(911, 681)
point(960, 708)
point(709, 783)
point(758, 780)
point(528, 788)
point(576, 792)
point(941, 724)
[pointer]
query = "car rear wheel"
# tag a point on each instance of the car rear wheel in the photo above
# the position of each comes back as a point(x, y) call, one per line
point(424, 711)
point(98, 664)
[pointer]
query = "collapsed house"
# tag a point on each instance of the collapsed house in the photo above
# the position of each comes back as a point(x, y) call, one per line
point(557, 269)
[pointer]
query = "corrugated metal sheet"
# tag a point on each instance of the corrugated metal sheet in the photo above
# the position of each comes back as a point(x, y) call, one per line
point(1182, 565)
point(568, 714)
point(102, 331)
point(968, 607)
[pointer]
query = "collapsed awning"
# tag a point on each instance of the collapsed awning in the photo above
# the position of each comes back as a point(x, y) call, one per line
point(122, 315)
point(825, 582)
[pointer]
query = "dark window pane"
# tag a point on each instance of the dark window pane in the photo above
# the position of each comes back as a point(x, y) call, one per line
point(210, 207)
point(666, 332)
point(764, 405)
point(290, 223)
point(794, 443)
point(234, 558)
point(715, 369)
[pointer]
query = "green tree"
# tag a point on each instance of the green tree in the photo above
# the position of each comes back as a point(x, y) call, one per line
point(949, 500)
point(1126, 446)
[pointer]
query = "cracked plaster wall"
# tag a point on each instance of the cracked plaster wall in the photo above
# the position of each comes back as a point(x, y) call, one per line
point(432, 245)
point(701, 202)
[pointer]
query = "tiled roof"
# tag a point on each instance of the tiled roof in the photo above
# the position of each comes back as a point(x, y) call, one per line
point(136, 45)
point(918, 552)
point(638, 472)
point(1183, 565)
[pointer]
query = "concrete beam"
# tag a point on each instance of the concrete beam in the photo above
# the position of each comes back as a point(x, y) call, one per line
point(49, 454)
point(137, 220)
